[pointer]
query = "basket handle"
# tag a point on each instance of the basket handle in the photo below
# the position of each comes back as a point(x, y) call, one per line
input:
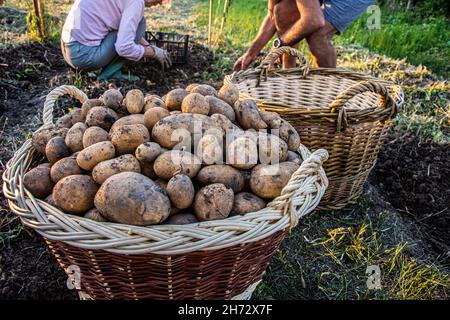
point(310, 177)
point(51, 98)
point(387, 101)
point(275, 53)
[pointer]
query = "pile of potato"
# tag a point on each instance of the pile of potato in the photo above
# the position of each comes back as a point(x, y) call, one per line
point(145, 160)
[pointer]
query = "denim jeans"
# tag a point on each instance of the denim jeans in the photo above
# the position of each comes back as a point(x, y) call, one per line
point(80, 56)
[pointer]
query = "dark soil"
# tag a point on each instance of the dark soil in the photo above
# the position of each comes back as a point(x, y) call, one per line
point(414, 176)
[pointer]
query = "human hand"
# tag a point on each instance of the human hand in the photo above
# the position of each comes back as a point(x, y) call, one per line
point(161, 56)
point(243, 62)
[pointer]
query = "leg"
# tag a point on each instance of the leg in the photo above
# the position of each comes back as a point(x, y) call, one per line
point(322, 50)
point(285, 14)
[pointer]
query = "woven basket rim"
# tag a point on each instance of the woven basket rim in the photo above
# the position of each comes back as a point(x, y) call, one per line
point(299, 197)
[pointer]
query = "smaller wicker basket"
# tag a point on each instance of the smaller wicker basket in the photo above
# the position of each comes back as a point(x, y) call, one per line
point(344, 112)
point(223, 259)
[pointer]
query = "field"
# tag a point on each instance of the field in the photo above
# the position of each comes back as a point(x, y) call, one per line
point(400, 223)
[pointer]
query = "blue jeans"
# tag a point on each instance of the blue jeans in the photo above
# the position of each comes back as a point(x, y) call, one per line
point(80, 56)
point(340, 13)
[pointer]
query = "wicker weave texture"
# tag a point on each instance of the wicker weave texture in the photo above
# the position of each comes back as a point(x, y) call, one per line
point(346, 113)
point(206, 260)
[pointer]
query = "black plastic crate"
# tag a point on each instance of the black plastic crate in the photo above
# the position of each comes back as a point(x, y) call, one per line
point(175, 44)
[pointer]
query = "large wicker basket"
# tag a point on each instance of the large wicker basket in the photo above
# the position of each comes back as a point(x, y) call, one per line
point(221, 259)
point(344, 112)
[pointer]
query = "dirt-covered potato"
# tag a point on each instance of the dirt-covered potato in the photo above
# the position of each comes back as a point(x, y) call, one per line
point(224, 122)
point(131, 119)
point(132, 198)
point(148, 152)
point(242, 152)
point(172, 162)
point(213, 202)
point(107, 168)
point(112, 99)
point(246, 202)
point(229, 93)
point(65, 167)
point(179, 129)
point(101, 117)
point(248, 116)
point(147, 170)
point(95, 215)
point(41, 137)
point(75, 194)
point(221, 173)
point(269, 116)
point(267, 181)
point(174, 98)
point(128, 137)
point(65, 121)
point(195, 103)
point(88, 105)
point(77, 115)
point(181, 191)
point(92, 135)
point(38, 182)
point(152, 102)
point(134, 101)
point(210, 149)
point(88, 158)
point(204, 90)
point(153, 115)
point(56, 149)
point(191, 86)
point(219, 106)
point(271, 148)
point(74, 137)
point(294, 157)
point(45, 165)
point(181, 218)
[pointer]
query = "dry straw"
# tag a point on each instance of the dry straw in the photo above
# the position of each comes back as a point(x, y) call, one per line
point(220, 259)
point(347, 113)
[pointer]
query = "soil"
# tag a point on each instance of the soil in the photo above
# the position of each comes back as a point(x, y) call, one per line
point(411, 175)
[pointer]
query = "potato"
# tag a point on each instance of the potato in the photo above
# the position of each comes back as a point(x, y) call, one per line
point(95, 215)
point(191, 86)
point(182, 218)
point(172, 162)
point(56, 149)
point(271, 148)
point(179, 128)
point(45, 165)
point(248, 115)
point(242, 152)
point(213, 202)
point(134, 101)
point(108, 168)
point(38, 182)
point(77, 115)
point(195, 103)
point(112, 99)
point(289, 134)
point(75, 194)
point(294, 157)
point(229, 93)
point(246, 202)
point(132, 198)
point(147, 170)
point(204, 90)
point(210, 149)
point(101, 117)
point(74, 137)
point(153, 115)
point(221, 107)
point(180, 191)
point(267, 181)
point(93, 135)
point(174, 98)
point(88, 158)
point(42, 136)
point(148, 152)
point(224, 122)
point(88, 105)
point(65, 167)
point(221, 173)
point(269, 116)
point(152, 102)
point(65, 121)
point(131, 119)
point(128, 137)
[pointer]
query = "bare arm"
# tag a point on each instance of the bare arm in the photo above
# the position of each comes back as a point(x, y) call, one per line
point(311, 19)
point(265, 33)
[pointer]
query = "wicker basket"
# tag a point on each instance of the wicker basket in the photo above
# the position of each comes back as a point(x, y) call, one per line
point(344, 112)
point(220, 259)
